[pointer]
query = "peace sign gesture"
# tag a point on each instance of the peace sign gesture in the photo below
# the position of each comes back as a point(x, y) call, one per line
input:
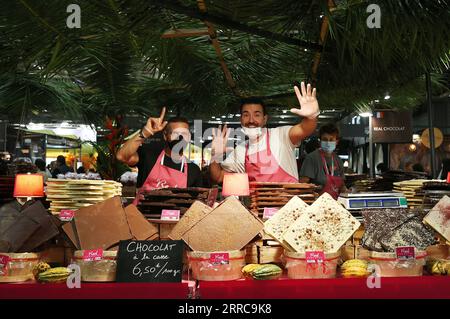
point(308, 102)
point(156, 124)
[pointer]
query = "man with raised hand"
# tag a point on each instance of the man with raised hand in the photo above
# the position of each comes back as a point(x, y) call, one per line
point(269, 154)
point(161, 165)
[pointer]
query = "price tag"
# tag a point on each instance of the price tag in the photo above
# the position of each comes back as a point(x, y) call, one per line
point(150, 261)
point(4, 260)
point(405, 253)
point(168, 214)
point(219, 258)
point(91, 255)
point(66, 215)
point(269, 212)
point(315, 257)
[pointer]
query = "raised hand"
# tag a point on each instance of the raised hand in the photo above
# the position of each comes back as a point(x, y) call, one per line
point(309, 106)
point(156, 124)
point(219, 142)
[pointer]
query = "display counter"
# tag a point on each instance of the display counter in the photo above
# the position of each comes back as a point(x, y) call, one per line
point(425, 287)
point(96, 291)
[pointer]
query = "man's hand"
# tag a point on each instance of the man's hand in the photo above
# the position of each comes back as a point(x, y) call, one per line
point(155, 124)
point(219, 142)
point(309, 107)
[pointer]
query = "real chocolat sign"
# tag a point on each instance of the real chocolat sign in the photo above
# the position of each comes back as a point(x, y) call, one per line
point(392, 127)
point(150, 261)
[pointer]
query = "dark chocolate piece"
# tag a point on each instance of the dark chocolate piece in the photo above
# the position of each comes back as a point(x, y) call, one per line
point(411, 233)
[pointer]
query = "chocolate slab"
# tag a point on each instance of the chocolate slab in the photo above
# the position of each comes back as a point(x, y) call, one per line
point(193, 215)
point(140, 228)
point(230, 226)
point(379, 222)
point(102, 225)
point(411, 233)
point(70, 230)
point(47, 229)
point(19, 232)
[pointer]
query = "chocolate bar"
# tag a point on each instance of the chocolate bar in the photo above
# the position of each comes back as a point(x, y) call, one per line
point(411, 233)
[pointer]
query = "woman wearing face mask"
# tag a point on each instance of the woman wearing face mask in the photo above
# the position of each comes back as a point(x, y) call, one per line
point(323, 166)
point(161, 165)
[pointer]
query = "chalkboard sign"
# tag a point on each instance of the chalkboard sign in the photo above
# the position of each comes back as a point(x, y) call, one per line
point(150, 261)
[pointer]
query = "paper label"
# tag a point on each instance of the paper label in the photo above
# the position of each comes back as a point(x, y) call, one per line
point(405, 253)
point(219, 258)
point(269, 212)
point(66, 215)
point(4, 260)
point(94, 254)
point(168, 214)
point(315, 257)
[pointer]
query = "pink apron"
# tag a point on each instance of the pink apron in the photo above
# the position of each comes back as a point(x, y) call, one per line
point(263, 167)
point(162, 177)
point(333, 183)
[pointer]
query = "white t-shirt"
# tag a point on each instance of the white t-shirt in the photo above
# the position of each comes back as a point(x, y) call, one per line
point(280, 145)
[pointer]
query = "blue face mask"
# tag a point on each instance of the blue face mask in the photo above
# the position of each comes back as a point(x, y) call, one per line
point(328, 147)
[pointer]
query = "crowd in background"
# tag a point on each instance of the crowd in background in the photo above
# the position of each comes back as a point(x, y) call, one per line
point(51, 170)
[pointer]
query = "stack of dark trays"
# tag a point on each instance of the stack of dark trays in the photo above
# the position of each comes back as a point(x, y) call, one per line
point(433, 191)
point(386, 184)
point(350, 179)
point(181, 199)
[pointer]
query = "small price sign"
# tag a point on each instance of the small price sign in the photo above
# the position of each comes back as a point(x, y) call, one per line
point(315, 257)
point(405, 253)
point(66, 215)
point(4, 260)
point(94, 254)
point(219, 258)
point(269, 212)
point(170, 214)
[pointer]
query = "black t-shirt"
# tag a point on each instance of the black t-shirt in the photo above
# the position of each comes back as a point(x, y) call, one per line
point(148, 154)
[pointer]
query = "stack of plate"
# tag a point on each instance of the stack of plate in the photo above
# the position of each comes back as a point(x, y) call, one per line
point(153, 202)
point(412, 190)
point(363, 185)
point(74, 194)
point(433, 192)
point(277, 195)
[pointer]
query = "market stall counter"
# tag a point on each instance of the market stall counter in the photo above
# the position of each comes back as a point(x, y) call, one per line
point(426, 287)
point(96, 291)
